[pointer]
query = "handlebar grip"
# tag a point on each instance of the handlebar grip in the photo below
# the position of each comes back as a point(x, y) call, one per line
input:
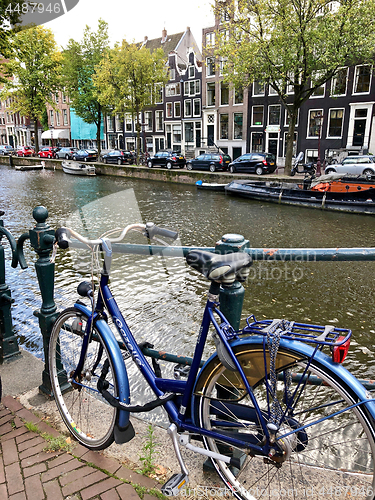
point(62, 237)
point(153, 230)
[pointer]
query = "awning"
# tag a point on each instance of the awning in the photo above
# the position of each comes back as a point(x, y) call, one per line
point(56, 133)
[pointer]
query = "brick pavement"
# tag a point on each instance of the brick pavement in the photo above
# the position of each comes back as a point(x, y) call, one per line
point(27, 472)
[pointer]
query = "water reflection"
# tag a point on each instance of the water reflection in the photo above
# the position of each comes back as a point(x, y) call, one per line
point(162, 298)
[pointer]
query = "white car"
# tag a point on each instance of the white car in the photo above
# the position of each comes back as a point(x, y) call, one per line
point(358, 165)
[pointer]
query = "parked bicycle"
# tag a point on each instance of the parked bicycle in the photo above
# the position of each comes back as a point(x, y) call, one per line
point(273, 407)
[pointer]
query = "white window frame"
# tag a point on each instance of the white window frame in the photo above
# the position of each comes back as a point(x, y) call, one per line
point(329, 121)
point(169, 110)
point(187, 114)
point(257, 95)
point(158, 114)
point(65, 116)
point(268, 117)
point(252, 115)
point(210, 63)
point(191, 71)
point(199, 106)
point(355, 80)
point(334, 79)
point(308, 124)
point(286, 124)
point(177, 103)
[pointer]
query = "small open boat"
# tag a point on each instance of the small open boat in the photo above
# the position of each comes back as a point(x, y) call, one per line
point(76, 168)
point(24, 168)
point(210, 186)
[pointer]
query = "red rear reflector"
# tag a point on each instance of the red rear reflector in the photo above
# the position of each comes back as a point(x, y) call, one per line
point(339, 352)
point(221, 159)
point(264, 162)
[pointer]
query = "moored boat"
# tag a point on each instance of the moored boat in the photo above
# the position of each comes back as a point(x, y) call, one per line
point(24, 168)
point(76, 168)
point(210, 186)
point(360, 201)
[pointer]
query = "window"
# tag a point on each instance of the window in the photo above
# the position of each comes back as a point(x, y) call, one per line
point(287, 119)
point(224, 122)
point(210, 39)
point(224, 93)
point(336, 119)
point(57, 118)
point(51, 118)
point(177, 109)
point(339, 81)
point(169, 110)
point(148, 121)
point(57, 98)
point(320, 91)
point(159, 120)
point(238, 96)
point(258, 88)
point(65, 117)
point(210, 64)
point(210, 94)
point(191, 72)
point(172, 89)
point(176, 133)
point(63, 95)
point(314, 124)
point(197, 107)
point(128, 124)
point(362, 79)
point(271, 90)
point(118, 124)
point(256, 142)
point(274, 112)
point(222, 63)
point(192, 88)
point(187, 111)
point(237, 125)
point(159, 93)
point(189, 132)
point(172, 74)
point(257, 115)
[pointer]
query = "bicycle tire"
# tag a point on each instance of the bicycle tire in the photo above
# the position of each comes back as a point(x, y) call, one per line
point(89, 418)
point(338, 453)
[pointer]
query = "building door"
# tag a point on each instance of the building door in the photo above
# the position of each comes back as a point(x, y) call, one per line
point(359, 132)
point(237, 152)
point(272, 143)
point(210, 135)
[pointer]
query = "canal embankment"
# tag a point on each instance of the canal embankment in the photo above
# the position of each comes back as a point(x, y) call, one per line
point(176, 175)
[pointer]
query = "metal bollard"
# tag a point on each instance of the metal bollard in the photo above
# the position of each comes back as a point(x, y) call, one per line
point(8, 340)
point(231, 296)
point(41, 239)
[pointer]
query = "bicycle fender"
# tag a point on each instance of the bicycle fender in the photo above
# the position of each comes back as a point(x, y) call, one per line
point(118, 363)
point(306, 350)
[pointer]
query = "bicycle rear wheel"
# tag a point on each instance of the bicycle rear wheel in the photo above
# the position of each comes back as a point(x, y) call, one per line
point(89, 418)
point(333, 458)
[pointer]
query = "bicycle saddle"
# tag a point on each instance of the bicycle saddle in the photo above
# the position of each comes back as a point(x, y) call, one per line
point(220, 268)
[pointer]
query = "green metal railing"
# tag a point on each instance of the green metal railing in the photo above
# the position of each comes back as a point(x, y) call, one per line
point(231, 296)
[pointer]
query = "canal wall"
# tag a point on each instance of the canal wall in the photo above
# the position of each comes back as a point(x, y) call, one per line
point(177, 175)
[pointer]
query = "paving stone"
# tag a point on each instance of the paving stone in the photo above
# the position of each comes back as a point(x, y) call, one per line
point(33, 487)
point(3, 491)
point(18, 422)
point(61, 459)
point(52, 490)
point(3, 412)
point(25, 436)
point(31, 443)
point(10, 453)
point(104, 463)
point(61, 469)
point(4, 429)
point(112, 495)
point(43, 427)
point(78, 474)
point(15, 433)
point(79, 450)
point(12, 403)
point(83, 482)
point(14, 478)
point(28, 416)
point(126, 492)
point(149, 497)
point(35, 469)
point(134, 477)
point(18, 496)
point(99, 488)
point(32, 451)
point(6, 418)
point(40, 457)
point(2, 473)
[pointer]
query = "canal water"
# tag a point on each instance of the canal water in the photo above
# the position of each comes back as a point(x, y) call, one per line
point(162, 299)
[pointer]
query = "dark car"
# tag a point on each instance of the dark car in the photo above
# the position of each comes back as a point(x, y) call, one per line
point(118, 156)
point(254, 163)
point(85, 155)
point(66, 153)
point(6, 150)
point(25, 151)
point(47, 152)
point(167, 159)
point(210, 161)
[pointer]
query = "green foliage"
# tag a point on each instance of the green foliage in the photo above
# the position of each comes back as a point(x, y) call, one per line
point(59, 443)
point(32, 73)
point(129, 78)
point(148, 452)
point(8, 18)
point(297, 45)
point(79, 62)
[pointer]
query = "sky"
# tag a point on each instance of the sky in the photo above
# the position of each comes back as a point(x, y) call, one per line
point(133, 19)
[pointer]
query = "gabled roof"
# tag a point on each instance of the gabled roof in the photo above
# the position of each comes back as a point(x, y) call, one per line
point(169, 45)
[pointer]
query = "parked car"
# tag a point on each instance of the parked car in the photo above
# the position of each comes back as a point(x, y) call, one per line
point(66, 153)
point(209, 161)
point(167, 159)
point(6, 150)
point(25, 151)
point(254, 163)
point(85, 155)
point(359, 165)
point(118, 156)
point(47, 152)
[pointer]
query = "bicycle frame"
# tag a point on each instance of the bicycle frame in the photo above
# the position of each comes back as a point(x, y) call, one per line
point(160, 386)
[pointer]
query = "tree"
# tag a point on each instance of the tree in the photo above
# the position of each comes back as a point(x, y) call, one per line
point(79, 62)
point(295, 46)
point(32, 74)
point(9, 17)
point(129, 79)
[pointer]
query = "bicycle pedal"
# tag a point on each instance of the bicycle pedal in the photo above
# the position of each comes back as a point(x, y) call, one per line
point(173, 486)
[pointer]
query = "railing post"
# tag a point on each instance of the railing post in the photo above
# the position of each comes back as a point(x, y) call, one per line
point(231, 296)
point(8, 339)
point(41, 239)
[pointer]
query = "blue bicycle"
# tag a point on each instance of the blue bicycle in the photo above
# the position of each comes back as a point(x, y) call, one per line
point(273, 407)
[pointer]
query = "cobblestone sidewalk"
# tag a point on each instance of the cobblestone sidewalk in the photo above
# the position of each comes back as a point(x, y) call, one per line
point(27, 472)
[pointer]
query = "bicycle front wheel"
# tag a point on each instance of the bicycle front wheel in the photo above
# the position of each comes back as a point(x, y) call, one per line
point(332, 457)
point(89, 418)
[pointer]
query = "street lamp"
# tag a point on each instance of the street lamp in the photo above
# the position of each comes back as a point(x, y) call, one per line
point(51, 129)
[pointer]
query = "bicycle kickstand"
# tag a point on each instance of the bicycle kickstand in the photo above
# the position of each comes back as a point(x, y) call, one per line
point(174, 484)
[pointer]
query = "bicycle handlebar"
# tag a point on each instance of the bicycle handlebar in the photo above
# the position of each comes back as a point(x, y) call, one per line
point(150, 230)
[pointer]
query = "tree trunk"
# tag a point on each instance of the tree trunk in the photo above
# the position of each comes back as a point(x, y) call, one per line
point(289, 141)
point(138, 129)
point(36, 143)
